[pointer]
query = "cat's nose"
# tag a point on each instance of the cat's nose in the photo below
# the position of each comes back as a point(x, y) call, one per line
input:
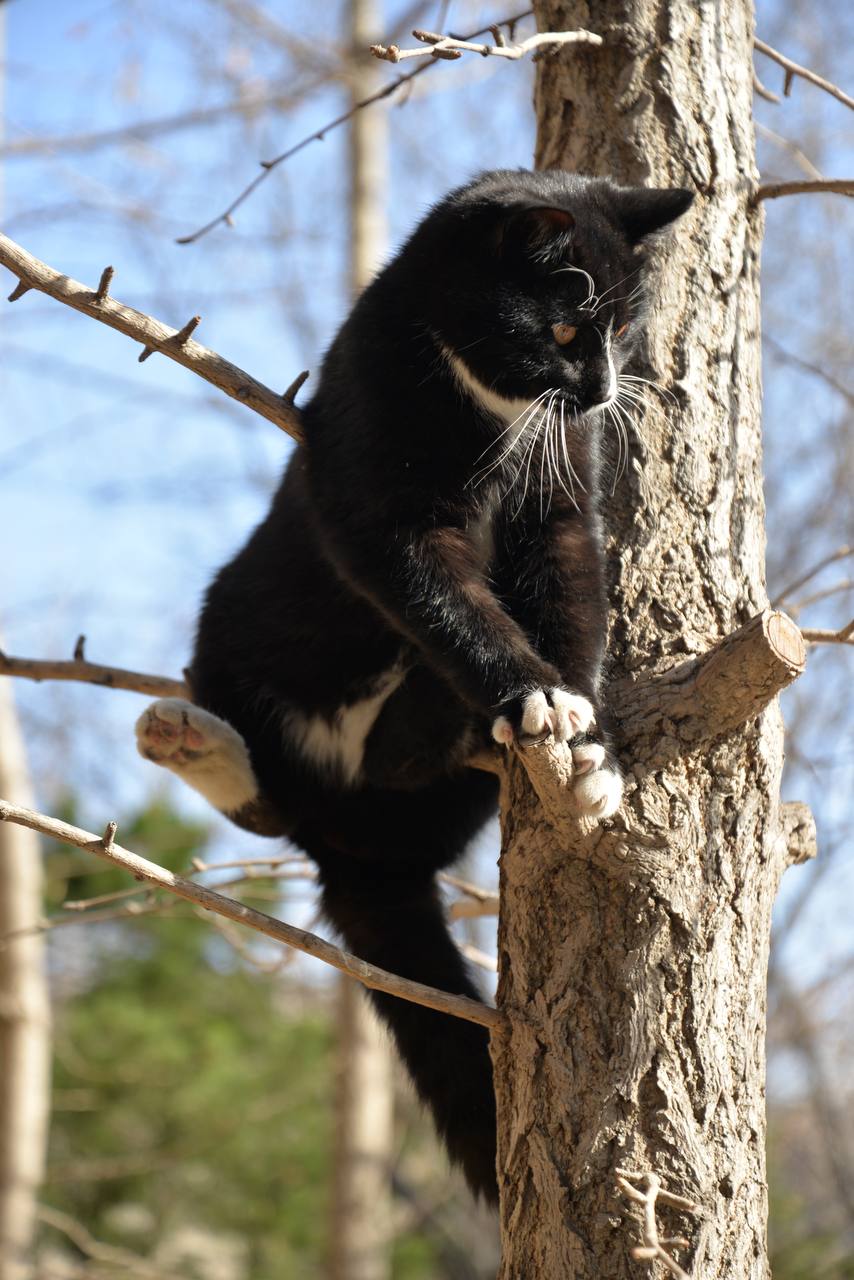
point(603, 389)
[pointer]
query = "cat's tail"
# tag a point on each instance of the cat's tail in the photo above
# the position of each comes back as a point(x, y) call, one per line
point(398, 924)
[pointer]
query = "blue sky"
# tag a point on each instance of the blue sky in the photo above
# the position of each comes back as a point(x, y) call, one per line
point(125, 486)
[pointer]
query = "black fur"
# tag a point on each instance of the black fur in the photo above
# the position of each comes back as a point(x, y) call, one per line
point(381, 548)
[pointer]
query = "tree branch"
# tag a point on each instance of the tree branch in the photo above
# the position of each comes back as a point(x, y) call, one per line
point(652, 1249)
point(793, 69)
point(151, 333)
point(845, 635)
point(80, 669)
point(841, 553)
point(449, 48)
point(807, 186)
point(720, 691)
point(369, 975)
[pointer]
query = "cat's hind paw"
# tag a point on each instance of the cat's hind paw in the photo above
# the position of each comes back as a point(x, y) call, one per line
point(597, 786)
point(203, 750)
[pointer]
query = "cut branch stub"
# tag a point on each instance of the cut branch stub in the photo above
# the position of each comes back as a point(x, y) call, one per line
point(723, 689)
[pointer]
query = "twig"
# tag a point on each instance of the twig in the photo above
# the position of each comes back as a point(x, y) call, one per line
point(844, 636)
point(652, 1249)
point(799, 156)
point(759, 87)
point(290, 935)
point(838, 588)
point(795, 69)
point(153, 335)
point(773, 190)
point(109, 1254)
point(789, 357)
point(839, 554)
point(267, 166)
point(449, 48)
point(80, 669)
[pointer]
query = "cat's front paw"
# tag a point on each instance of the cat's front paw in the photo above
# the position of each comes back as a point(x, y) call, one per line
point(544, 713)
point(596, 783)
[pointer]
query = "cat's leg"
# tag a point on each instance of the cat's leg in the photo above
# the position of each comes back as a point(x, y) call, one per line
point(211, 757)
point(551, 580)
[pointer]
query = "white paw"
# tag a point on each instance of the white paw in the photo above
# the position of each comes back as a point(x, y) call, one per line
point(542, 713)
point(598, 790)
point(203, 750)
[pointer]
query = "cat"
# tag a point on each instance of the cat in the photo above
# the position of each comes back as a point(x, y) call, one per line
point(430, 580)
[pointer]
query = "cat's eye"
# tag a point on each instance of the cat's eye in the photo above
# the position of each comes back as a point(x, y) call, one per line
point(624, 328)
point(564, 333)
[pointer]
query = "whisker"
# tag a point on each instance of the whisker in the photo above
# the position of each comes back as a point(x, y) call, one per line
point(530, 410)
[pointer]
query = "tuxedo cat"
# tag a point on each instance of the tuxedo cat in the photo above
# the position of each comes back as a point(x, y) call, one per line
point(430, 579)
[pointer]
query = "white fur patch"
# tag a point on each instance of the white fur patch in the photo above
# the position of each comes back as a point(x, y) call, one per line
point(338, 743)
point(511, 412)
point(201, 749)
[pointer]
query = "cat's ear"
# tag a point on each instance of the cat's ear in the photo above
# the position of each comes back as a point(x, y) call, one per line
point(642, 211)
point(540, 231)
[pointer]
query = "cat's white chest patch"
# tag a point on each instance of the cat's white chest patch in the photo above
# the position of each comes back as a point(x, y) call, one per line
point(337, 742)
point(511, 412)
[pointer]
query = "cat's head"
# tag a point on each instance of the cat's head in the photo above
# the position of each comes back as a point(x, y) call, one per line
point(534, 282)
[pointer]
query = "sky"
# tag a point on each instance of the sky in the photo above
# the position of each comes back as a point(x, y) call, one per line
point(125, 486)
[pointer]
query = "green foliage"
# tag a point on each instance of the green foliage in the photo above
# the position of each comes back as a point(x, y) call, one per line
point(184, 1086)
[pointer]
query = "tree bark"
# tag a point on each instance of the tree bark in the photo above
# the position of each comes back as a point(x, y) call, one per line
point(24, 1016)
point(633, 957)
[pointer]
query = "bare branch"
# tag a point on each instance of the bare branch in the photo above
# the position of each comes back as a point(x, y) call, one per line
point(153, 335)
point(844, 636)
point(841, 553)
point(290, 935)
point(773, 190)
point(267, 166)
point(79, 669)
point(799, 156)
point(789, 357)
point(652, 1249)
point(449, 48)
point(795, 69)
point(759, 87)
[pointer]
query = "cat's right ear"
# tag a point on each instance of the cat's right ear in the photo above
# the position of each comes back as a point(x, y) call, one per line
point(541, 232)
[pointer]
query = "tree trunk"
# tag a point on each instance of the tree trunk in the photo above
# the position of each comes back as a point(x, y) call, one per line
point(360, 1217)
point(633, 957)
point(24, 1015)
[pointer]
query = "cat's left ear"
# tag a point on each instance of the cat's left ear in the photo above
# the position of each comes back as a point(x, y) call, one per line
point(643, 211)
point(535, 230)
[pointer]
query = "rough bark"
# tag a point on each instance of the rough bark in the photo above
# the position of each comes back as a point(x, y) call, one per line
point(633, 958)
point(24, 1016)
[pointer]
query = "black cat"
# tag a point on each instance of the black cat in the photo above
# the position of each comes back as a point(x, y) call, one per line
point(431, 576)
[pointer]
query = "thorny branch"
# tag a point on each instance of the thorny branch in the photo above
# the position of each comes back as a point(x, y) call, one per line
point(449, 48)
point(652, 1249)
point(368, 974)
point(152, 334)
point(793, 69)
point(267, 166)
